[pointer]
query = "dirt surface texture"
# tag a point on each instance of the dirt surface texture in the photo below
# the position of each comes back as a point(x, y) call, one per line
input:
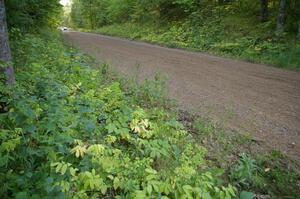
point(253, 99)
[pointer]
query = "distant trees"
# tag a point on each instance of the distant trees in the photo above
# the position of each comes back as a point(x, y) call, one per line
point(5, 54)
point(32, 15)
point(89, 13)
point(283, 15)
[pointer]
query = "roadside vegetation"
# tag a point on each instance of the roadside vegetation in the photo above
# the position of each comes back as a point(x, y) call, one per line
point(245, 162)
point(72, 128)
point(247, 30)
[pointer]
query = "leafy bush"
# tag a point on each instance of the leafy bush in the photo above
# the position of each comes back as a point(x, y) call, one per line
point(243, 173)
point(32, 15)
point(67, 132)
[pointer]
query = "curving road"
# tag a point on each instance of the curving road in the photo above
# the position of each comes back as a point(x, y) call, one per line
point(250, 98)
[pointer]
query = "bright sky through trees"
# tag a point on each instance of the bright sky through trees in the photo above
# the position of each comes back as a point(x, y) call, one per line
point(65, 2)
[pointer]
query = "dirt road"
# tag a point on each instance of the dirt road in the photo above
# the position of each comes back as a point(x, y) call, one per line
point(250, 98)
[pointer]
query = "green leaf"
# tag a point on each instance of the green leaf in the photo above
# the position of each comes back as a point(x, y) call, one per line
point(246, 195)
point(21, 195)
point(151, 171)
point(116, 183)
point(206, 195)
point(103, 189)
point(58, 167)
point(73, 171)
point(187, 188)
point(63, 169)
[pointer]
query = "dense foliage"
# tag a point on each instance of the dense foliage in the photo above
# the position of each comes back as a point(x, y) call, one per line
point(95, 13)
point(31, 15)
point(69, 132)
point(230, 28)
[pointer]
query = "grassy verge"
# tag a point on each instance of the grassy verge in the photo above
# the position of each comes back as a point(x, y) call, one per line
point(216, 38)
point(245, 163)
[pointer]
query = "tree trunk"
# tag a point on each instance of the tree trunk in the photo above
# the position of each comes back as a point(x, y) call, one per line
point(263, 10)
point(280, 19)
point(91, 16)
point(299, 31)
point(5, 54)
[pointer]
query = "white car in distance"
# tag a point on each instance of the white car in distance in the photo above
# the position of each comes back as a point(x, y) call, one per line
point(64, 29)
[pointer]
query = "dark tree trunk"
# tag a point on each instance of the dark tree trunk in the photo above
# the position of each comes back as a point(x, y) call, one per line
point(280, 19)
point(5, 54)
point(91, 15)
point(263, 10)
point(299, 31)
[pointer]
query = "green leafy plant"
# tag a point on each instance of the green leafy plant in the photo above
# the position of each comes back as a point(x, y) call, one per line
point(244, 171)
point(246, 195)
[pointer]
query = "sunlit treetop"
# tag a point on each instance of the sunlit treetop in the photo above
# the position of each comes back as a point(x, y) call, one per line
point(65, 2)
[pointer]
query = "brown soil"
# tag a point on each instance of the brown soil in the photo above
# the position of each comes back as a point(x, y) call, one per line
point(253, 99)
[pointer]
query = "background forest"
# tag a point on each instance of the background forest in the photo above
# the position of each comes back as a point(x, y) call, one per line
point(264, 31)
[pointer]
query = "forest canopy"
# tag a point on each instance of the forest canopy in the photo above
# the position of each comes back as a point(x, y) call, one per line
point(97, 13)
point(30, 15)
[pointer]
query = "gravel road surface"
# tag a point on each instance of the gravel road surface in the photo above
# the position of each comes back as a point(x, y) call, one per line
point(250, 98)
